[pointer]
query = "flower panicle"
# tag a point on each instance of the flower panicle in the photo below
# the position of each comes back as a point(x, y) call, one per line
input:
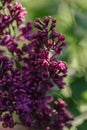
point(31, 71)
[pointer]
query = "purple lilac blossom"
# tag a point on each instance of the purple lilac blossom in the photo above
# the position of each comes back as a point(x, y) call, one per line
point(31, 72)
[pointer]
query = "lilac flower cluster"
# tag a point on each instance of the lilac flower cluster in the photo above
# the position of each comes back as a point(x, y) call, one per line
point(31, 71)
point(11, 18)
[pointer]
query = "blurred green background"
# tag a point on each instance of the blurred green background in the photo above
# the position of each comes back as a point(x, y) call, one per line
point(71, 18)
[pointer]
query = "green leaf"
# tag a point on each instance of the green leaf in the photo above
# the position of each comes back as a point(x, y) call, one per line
point(83, 126)
point(81, 19)
point(78, 86)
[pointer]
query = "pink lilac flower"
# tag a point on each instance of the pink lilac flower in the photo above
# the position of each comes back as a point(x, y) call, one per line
point(31, 72)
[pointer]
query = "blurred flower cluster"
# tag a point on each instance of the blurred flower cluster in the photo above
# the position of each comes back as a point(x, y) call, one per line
point(31, 71)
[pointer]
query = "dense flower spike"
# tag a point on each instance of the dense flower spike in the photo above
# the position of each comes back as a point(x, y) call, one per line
point(12, 16)
point(17, 12)
point(31, 71)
